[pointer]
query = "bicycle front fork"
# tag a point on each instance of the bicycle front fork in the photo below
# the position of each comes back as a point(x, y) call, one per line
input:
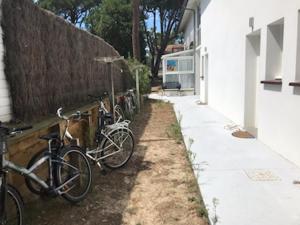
point(3, 192)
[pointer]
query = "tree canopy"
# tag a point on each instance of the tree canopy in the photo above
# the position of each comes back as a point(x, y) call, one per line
point(168, 13)
point(112, 21)
point(74, 11)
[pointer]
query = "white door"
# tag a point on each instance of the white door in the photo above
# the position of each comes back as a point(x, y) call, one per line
point(204, 79)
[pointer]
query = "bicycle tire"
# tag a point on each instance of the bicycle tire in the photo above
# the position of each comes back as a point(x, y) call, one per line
point(68, 154)
point(129, 110)
point(108, 148)
point(31, 184)
point(13, 202)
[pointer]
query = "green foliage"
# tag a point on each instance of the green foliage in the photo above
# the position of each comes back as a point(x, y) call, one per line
point(109, 19)
point(162, 32)
point(144, 72)
point(113, 22)
point(73, 10)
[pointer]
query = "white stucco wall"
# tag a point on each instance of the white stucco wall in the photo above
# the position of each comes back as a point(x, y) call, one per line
point(5, 102)
point(225, 25)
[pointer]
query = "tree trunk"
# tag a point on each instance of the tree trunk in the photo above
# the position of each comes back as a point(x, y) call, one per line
point(156, 65)
point(136, 30)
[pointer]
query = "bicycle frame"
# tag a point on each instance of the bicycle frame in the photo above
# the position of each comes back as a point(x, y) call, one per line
point(100, 149)
point(102, 135)
point(31, 175)
point(2, 190)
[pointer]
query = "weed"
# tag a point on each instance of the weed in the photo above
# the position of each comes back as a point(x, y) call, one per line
point(179, 117)
point(215, 218)
point(192, 184)
point(192, 199)
point(201, 212)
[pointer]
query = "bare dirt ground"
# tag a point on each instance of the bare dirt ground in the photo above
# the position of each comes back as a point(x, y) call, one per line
point(156, 187)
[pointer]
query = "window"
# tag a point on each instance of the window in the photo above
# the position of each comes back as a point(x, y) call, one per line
point(275, 35)
point(180, 69)
point(298, 51)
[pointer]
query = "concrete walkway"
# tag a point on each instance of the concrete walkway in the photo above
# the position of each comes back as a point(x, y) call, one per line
point(242, 181)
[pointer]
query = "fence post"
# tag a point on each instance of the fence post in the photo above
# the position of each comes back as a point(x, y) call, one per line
point(112, 89)
point(137, 84)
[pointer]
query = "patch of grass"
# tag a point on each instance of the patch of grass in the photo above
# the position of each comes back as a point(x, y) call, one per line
point(162, 103)
point(174, 132)
point(191, 182)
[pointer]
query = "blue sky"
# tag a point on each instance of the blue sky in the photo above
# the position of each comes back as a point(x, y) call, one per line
point(150, 22)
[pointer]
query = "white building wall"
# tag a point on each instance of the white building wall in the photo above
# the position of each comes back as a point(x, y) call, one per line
point(225, 25)
point(5, 102)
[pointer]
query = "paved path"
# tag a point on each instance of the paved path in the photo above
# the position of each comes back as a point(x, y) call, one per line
point(253, 185)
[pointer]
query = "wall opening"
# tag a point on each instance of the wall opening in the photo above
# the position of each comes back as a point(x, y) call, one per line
point(251, 81)
point(204, 79)
point(275, 34)
point(298, 51)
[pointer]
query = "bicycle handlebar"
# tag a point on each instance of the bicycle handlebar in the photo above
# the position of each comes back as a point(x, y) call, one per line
point(11, 131)
point(20, 129)
point(99, 97)
point(76, 115)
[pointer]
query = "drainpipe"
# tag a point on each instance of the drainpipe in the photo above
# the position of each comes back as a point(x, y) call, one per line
point(194, 45)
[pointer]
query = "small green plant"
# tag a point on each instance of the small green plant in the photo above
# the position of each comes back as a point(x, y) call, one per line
point(179, 117)
point(202, 212)
point(192, 199)
point(215, 218)
point(144, 75)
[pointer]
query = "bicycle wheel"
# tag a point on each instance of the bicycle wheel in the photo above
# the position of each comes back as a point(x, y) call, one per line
point(74, 173)
point(129, 109)
point(41, 171)
point(117, 150)
point(14, 207)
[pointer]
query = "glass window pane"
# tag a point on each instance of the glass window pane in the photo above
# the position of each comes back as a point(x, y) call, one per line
point(172, 78)
point(185, 65)
point(187, 80)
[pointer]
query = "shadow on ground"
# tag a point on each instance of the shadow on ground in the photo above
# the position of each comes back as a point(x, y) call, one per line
point(110, 193)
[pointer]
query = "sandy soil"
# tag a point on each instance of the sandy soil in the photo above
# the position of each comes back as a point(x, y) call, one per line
point(156, 187)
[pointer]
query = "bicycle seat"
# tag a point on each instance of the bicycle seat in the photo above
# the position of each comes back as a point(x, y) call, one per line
point(108, 115)
point(50, 136)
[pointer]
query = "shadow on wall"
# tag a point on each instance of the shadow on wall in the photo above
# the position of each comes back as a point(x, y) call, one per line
point(296, 91)
point(204, 5)
point(270, 87)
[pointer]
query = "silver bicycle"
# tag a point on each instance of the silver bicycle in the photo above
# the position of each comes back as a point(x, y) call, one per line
point(114, 142)
point(67, 173)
